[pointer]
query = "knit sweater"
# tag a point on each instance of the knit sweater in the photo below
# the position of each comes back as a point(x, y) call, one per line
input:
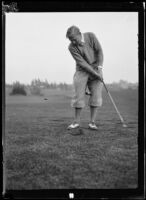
point(89, 55)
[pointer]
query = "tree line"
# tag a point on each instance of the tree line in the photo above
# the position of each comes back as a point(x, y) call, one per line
point(42, 84)
point(35, 88)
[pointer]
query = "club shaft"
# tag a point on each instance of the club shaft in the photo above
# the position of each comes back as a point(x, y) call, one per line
point(121, 118)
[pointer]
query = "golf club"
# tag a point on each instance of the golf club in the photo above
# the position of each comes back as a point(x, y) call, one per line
point(121, 118)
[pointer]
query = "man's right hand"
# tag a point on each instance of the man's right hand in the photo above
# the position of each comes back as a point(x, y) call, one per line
point(98, 72)
point(100, 77)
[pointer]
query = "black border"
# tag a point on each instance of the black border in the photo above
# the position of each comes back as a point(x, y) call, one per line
point(73, 6)
point(84, 6)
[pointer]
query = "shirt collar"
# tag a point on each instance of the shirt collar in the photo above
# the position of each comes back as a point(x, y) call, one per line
point(83, 39)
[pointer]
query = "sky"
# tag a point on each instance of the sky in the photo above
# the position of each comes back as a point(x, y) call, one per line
point(37, 47)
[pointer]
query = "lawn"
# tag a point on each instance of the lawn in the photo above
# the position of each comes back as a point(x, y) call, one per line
point(40, 152)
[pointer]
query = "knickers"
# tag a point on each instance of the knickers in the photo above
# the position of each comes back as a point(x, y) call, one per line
point(81, 81)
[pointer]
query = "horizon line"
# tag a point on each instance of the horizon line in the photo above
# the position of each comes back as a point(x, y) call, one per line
point(54, 82)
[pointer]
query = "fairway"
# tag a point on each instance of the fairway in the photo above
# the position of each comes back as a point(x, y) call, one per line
point(41, 153)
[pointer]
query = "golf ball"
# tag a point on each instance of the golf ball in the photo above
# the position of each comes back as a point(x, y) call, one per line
point(124, 125)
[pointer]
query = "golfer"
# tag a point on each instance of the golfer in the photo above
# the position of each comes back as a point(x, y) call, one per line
point(88, 55)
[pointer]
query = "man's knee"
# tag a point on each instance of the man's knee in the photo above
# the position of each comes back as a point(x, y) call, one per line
point(95, 102)
point(75, 103)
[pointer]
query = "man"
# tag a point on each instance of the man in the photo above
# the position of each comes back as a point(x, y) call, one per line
point(87, 52)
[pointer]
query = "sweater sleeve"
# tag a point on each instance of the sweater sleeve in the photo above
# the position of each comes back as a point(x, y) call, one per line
point(98, 49)
point(82, 62)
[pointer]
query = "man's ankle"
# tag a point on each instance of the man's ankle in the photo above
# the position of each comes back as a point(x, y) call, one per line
point(76, 122)
point(92, 122)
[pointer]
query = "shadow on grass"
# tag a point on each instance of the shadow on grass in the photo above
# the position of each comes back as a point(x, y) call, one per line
point(76, 132)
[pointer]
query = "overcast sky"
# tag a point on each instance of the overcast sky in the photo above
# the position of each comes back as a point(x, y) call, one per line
point(36, 45)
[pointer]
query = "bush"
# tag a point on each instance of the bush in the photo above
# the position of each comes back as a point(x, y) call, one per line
point(36, 90)
point(18, 89)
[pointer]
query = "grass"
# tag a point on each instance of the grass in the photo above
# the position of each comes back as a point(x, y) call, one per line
point(42, 154)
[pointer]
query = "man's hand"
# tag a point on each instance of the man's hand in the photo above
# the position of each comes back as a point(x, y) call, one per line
point(100, 69)
point(98, 76)
point(96, 72)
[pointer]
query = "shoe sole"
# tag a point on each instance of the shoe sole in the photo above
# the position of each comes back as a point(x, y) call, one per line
point(92, 128)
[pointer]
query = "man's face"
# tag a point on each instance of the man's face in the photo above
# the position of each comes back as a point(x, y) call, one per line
point(76, 39)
